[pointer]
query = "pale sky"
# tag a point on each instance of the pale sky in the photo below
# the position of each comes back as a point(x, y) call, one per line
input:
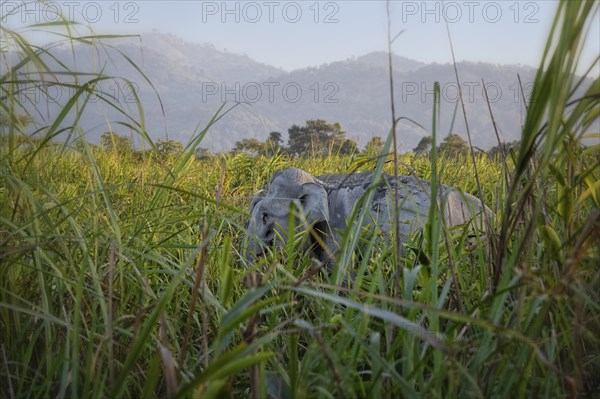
point(297, 34)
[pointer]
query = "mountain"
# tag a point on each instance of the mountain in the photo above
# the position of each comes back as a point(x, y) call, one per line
point(380, 59)
point(190, 81)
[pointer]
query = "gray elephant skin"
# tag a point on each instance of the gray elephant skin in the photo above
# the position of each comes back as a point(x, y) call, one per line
point(325, 204)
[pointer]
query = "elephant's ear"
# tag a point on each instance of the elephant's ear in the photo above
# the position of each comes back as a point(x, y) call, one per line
point(257, 197)
point(314, 202)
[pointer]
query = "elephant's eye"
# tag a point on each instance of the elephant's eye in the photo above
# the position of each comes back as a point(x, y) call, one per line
point(265, 216)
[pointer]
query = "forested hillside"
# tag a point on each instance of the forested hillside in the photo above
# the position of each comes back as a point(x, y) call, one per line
point(191, 81)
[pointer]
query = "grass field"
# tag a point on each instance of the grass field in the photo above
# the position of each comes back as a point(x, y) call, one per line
point(121, 274)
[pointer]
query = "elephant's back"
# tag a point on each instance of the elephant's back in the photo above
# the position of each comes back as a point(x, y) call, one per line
point(343, 180)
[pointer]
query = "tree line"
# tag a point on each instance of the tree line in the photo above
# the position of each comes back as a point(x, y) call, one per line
point(320, 138)
point(316, 138)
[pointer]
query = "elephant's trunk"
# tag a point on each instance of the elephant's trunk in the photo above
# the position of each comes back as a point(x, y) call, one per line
point(252, 246)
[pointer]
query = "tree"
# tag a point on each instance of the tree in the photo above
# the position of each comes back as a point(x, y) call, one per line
point(454, 145)
point(202, 153)
point(424, 146)
point(504, 148)
point(349, 147)
point(374, 146)
point(166, 147)
point(249, 146)
point(15, 119)
point(275, 138)
point(111, 141)
point(317, 137)
point(273, 144)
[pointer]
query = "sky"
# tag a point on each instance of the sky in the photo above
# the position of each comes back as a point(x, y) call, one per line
point(298, 34)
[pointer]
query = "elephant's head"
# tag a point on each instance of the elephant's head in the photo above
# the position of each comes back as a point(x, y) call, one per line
point(291, 191)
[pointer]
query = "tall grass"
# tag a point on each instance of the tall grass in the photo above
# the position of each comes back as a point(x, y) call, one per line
point(120, 275)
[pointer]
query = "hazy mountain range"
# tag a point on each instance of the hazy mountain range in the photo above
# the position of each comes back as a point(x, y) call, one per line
point(193, 80)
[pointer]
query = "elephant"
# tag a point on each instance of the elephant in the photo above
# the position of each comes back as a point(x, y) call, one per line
point(325, 204)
